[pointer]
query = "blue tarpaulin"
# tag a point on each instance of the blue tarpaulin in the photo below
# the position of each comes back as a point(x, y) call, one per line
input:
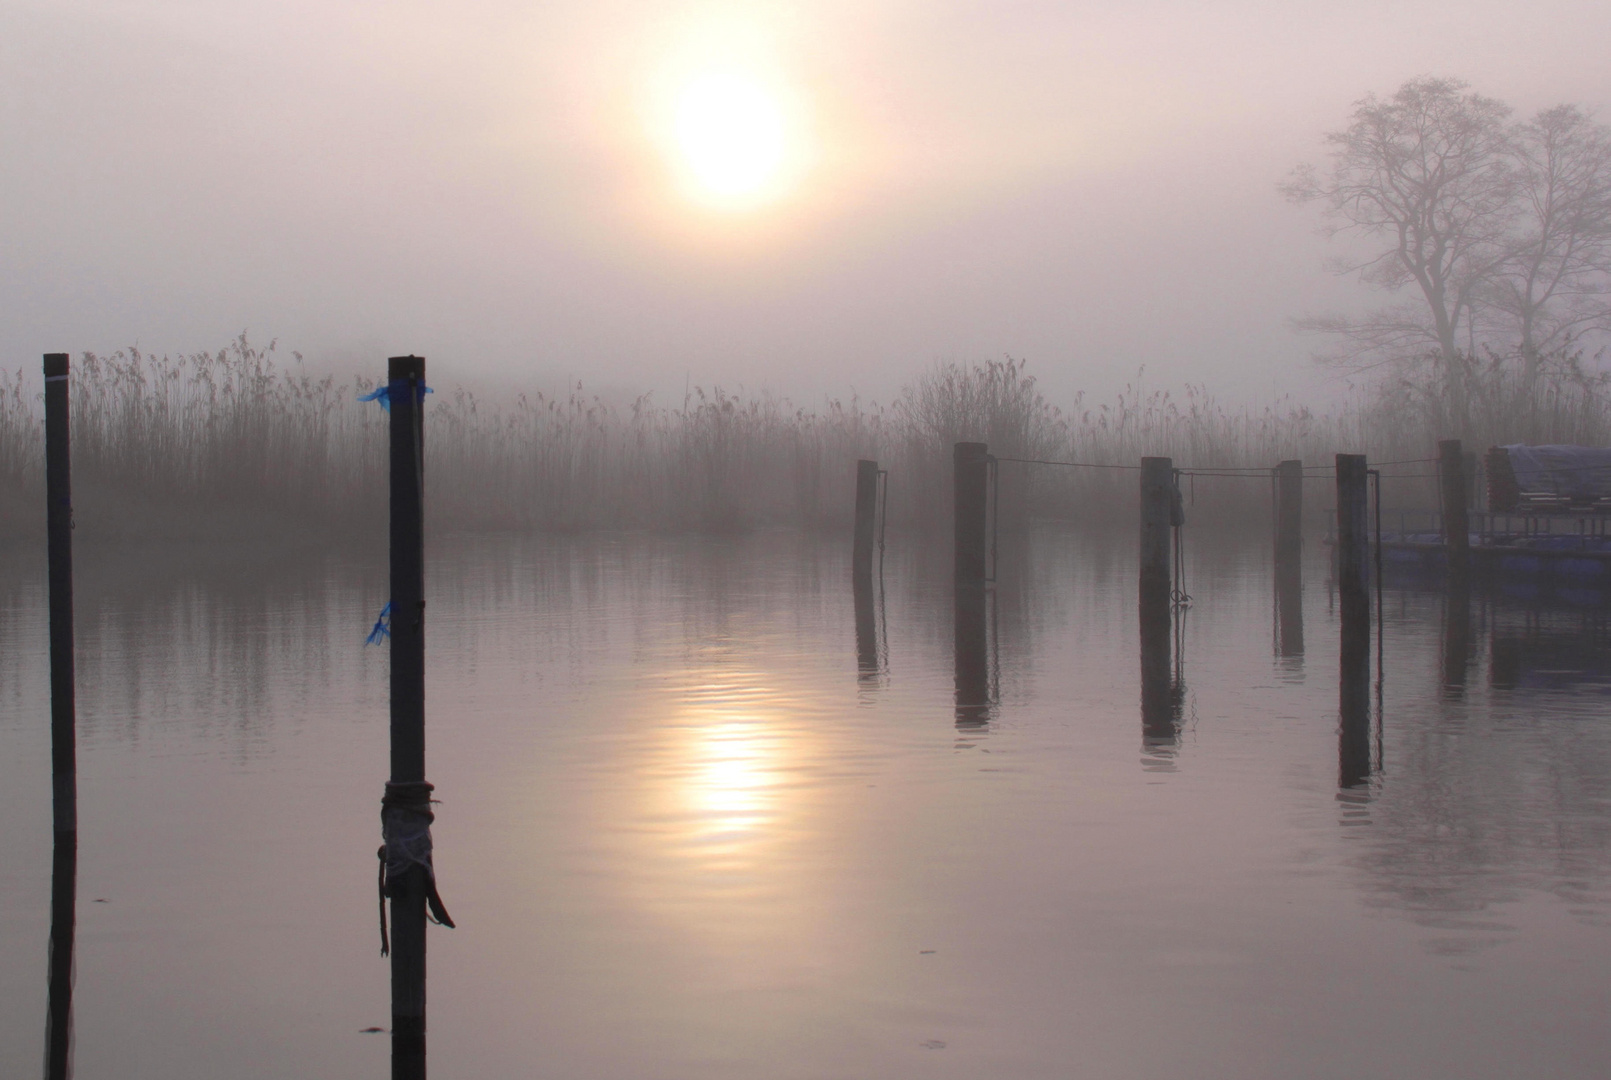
point(1581, 473)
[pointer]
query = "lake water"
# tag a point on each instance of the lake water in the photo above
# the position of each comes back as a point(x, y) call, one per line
point(690, 826)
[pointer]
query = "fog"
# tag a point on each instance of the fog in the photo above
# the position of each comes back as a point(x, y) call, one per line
point(1089, 188)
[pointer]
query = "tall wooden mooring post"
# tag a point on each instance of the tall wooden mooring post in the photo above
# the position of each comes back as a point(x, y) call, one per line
point(1353, 600)
point(63, 721)
point(1155, 598)
point(1452, 491)
point(971, 499)
point(409, 876)
point(1289, 558)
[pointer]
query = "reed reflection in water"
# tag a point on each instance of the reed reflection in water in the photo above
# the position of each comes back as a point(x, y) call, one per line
point(683, 839)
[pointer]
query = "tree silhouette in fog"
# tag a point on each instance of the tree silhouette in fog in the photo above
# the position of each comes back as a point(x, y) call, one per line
point(1499, 231)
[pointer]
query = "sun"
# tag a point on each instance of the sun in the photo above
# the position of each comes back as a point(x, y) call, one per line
point(731, 137)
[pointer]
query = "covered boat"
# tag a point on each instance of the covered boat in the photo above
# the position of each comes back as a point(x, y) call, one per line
point(1524, 479)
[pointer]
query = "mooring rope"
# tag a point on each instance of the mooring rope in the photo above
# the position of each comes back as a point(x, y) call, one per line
point(405, 828)
point(1221, 470)
point(1071, 464)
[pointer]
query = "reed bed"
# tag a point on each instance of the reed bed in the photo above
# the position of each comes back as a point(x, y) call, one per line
point(241, 439)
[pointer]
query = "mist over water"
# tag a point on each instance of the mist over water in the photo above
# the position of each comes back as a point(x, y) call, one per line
point(500, 188)
point(1019, 797)
point(694, 823)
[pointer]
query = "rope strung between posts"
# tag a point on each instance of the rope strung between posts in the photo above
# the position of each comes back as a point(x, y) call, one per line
point(1261, 474)
point(1071, 464)
point(405, 826)
point(1221, 470)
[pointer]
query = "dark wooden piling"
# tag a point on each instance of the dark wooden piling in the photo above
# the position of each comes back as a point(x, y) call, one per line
point(1289, 558)
point(59, 539)
point(1156, 583)
point(971, 468)
point(1289, 514)
point(1157, 517)
point(1456, 522)
point(1353, 601)
point(63, 713)
point(406, 382)
point(1353, 543)
point(407, 891)
point(866, 518)
point(971, 472)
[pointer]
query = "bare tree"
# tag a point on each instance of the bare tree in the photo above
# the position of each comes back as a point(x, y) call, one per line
point(1429, 171)
point(1553, 286)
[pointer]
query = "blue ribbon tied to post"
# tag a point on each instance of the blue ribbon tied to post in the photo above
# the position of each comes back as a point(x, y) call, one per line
point(382, 628)
point(383, 394)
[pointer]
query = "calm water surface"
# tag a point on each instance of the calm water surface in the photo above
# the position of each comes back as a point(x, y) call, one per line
point(691, 826)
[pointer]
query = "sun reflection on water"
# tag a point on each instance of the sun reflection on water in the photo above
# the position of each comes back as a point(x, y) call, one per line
point(728, 784)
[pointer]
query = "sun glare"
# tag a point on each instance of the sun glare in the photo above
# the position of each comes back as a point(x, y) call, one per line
point(730, 137)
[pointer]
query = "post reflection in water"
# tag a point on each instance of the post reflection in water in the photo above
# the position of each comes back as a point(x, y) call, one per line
point(869, 649)
point(1163, 689)
point(972, 659)
point(63, 923)
point(694, 856)
point(1456, 638)
point(1553, 651)
point(1353, 706)
point(1288, 610)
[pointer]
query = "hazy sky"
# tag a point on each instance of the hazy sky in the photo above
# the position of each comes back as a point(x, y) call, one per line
point(521, 189)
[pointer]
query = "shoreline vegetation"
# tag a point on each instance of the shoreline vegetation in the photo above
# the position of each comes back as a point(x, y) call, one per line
point(238, 444)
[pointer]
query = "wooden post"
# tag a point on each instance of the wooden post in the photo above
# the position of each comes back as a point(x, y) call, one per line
point(63, 713)
point(1353, 596)
point(1353, 544)
point(970, 474)
point(407, 795)
point(971, 463)
point(1157, 506)
point(1289, 514)
point(1289, 558)
point(406, 384)
point(866, 517)
point(1456, 478)
point(1456, 524)
point(1156, 583)
point(59, 538)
